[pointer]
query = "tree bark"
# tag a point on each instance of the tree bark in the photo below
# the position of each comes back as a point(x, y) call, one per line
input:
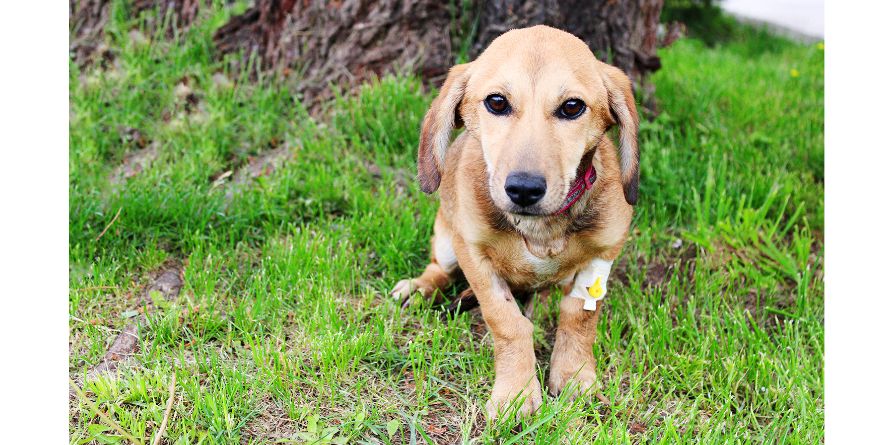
point(89, 17)
point(342, 42)
point(184, 12)
point(87, 24)
point(620, 32)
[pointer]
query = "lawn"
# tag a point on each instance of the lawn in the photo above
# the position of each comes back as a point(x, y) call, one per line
point(285, 232)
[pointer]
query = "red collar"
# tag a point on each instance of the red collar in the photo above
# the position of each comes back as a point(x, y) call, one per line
point(579, 187)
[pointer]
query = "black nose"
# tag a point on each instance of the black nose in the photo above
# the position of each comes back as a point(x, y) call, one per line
point(525, 189)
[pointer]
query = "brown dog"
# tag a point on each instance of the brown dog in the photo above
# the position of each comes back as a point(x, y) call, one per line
point(532, 195)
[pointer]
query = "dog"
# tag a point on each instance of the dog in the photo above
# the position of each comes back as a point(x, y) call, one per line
point(532, 196)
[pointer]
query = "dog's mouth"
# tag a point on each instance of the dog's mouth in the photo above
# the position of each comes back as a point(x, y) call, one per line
point(532, 212)
point(525, 214)
point(526, 219)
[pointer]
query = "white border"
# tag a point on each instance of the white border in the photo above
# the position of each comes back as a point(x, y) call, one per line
point(34, 222)
point(33, 226)
point(855, 181)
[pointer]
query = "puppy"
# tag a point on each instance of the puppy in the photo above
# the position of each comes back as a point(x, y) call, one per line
point(532, 196)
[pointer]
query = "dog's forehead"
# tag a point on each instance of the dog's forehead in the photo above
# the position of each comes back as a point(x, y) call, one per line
point(536, 56)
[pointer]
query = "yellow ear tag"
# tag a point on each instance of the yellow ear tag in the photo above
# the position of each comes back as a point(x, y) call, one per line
point(596, 290)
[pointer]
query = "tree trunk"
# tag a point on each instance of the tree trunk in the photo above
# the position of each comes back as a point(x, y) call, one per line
point(89, 17)
point(184, 12)
point(620, 32)
point(87, 23)
point(342, 42)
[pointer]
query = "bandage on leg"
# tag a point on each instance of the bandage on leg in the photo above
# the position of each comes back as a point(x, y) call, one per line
point(590, 283)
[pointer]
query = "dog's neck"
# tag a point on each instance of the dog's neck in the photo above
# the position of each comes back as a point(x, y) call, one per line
point(547, 236)
point(544, 248)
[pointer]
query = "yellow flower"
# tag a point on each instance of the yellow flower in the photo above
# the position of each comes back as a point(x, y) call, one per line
point(596, 290)
point(820, 46)
point(794, 72)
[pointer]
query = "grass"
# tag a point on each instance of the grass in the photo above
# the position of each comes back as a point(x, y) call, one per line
point(283, 330)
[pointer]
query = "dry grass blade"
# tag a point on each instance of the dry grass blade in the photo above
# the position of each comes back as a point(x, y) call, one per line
point(101, 414)
point(603, 399)
point(100, 235)
point(168, 410)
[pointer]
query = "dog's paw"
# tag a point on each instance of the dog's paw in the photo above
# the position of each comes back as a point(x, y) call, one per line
point(505, 395)
point(404, 290)
point(573, 382)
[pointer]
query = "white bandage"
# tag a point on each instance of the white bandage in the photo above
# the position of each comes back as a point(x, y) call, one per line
point(590, 283)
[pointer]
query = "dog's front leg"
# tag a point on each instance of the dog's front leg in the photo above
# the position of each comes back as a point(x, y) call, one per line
point(573, 355)
point(515, 377)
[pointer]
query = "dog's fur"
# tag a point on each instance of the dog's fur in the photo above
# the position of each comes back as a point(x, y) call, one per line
point(501, 252)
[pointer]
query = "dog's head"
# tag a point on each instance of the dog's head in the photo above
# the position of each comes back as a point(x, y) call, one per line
point(538, 101)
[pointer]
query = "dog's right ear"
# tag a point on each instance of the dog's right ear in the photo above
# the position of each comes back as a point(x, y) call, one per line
point(442, 117)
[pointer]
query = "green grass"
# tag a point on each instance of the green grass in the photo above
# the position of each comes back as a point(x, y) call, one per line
point(713, 332)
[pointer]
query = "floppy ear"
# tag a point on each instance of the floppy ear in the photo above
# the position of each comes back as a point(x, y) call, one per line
point(441, 118)
point(623, 109)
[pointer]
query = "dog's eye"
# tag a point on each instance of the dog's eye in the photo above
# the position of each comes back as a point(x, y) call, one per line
point(497, 104)
point(571, 109)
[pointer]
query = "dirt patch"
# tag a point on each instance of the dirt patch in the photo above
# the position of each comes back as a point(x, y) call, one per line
point(637, 428)
point(372, 168)
point(272, 423)
point(768, 316)
point(404, 179)
point(658, 270)
point(443, 424)
point(657, 273)
point(168, 283)
point(262, 165)
point(752, 303)
point(123, 347)
point(267, 162)
point(136, 161)
point(189, 99)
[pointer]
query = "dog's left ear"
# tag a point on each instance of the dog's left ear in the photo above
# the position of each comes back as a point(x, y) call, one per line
point(441, 118)
point(624, 110)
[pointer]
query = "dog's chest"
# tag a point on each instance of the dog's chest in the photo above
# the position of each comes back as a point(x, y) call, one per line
point(523, 269)
point(543, 267)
